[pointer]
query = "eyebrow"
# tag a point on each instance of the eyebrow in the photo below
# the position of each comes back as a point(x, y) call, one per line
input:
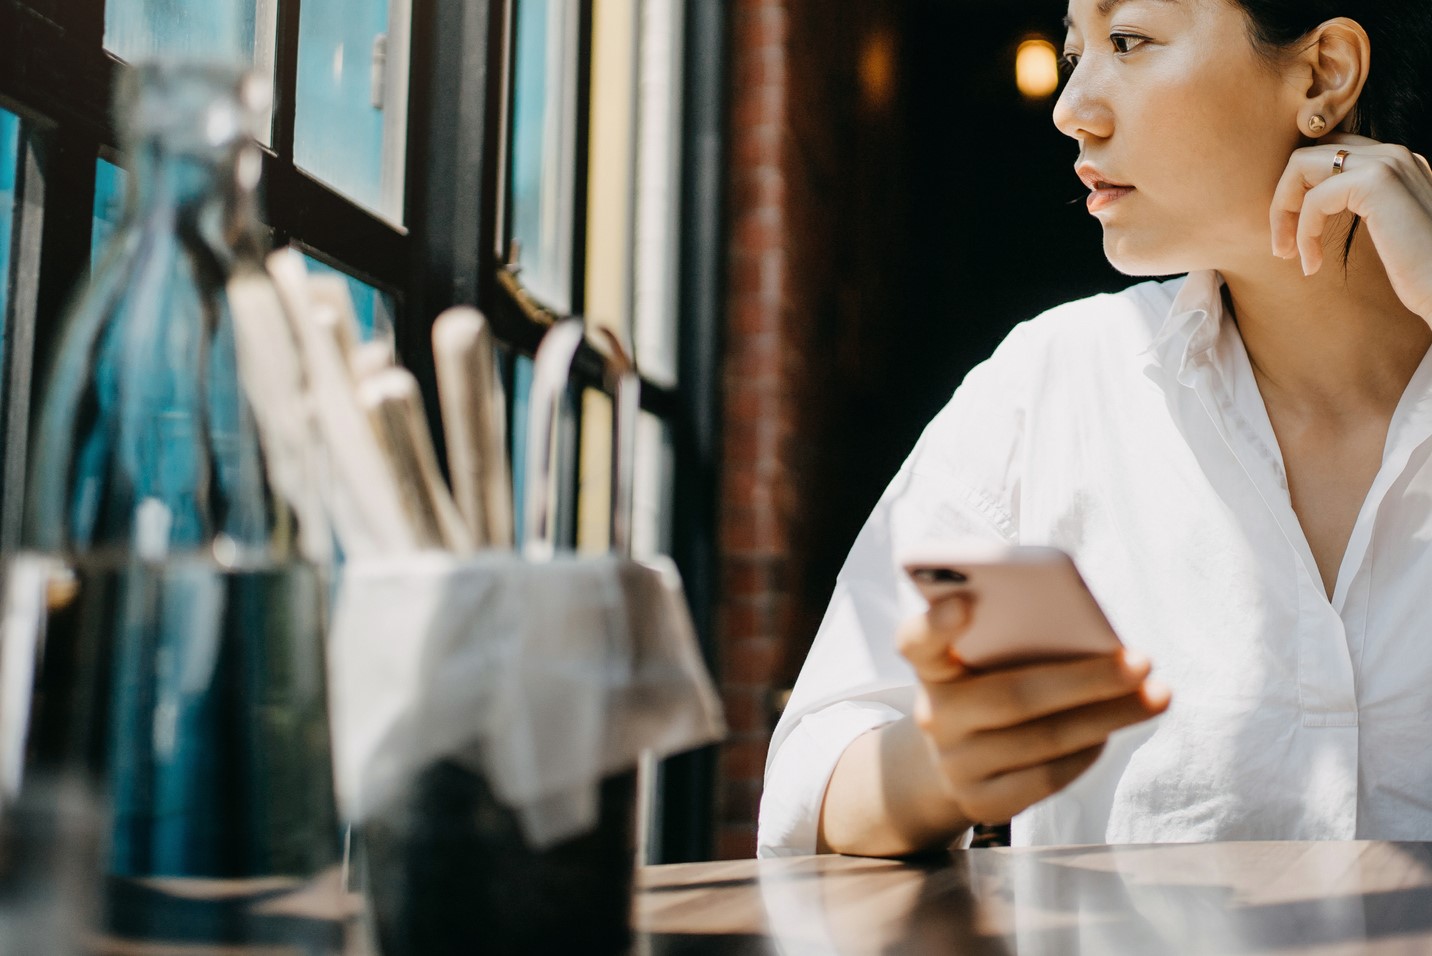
point(1105, 8)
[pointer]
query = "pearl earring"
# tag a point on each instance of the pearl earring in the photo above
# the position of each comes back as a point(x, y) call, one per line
point(1317, 123)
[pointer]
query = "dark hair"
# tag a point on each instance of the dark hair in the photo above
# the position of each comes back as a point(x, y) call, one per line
point(1396, 102)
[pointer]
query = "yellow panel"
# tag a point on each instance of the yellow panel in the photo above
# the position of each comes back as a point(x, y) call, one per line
point(611, 166)
point(594, 488)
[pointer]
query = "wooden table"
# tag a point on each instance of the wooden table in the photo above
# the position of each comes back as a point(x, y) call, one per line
point(1316, 898)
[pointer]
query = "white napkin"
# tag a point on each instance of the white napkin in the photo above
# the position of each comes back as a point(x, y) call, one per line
point(544, 678)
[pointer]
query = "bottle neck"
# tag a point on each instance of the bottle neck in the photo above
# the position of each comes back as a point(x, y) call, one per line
point(207, 197)
point(193, 164)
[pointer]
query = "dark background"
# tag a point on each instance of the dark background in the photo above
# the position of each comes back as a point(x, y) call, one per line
point(959, 216)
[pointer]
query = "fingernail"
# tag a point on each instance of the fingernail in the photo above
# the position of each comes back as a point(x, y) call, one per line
point(1157, 694)
point(950, 613)
point(1136, 662)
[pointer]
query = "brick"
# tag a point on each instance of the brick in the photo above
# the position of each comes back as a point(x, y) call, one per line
point(757, 106)
point(756, 361)
point(761, 433)
point(764, 520)
point(759, 230)
point(763, 25)
point(746, 710)
point(761, 66)
point(744, 759)
point(742, 577)
point(759, 187)
point(749, 486)
point(748, 622)
point(748, 534)
point(749, 398)
point(751, 661)
point(740, 483)
point(751, 316)
point(759, 274)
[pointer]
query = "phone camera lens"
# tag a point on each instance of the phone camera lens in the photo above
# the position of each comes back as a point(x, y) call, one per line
point(941, 576)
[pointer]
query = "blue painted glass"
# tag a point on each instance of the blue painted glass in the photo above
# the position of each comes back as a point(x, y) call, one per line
point(225, 30)
point(340, 130)
point(110, 182)
point(9, 166)
point(543, 167)
point(375, 309)
point(521, 393)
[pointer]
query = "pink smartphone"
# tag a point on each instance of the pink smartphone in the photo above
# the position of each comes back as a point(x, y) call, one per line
point(1027, 603)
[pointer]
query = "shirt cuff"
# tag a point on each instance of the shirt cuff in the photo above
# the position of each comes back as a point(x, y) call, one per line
point(799, 772)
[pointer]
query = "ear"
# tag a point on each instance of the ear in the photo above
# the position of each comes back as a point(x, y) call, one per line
point(1335, 62)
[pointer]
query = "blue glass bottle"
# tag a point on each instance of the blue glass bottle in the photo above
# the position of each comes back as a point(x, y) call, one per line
point(177, 736)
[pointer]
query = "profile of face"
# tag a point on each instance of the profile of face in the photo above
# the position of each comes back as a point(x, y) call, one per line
point(1171, 98)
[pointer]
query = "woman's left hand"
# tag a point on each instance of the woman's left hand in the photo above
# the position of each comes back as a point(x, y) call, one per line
point(1390, 187)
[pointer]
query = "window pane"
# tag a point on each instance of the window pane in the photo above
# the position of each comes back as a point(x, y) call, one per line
point(109, 186)
point(375, 309)
point(544, 103)
point(9, 164)
point(135, 29)
point(611, 167)
point(594, 487)
point(240, 30)
point(652, 494)
point(351, 125)
point(658, 178)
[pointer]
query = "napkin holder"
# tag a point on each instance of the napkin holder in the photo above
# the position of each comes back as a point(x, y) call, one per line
point(489, 713)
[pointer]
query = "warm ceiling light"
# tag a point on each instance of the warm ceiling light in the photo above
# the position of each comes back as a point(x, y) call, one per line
point(1036, 69)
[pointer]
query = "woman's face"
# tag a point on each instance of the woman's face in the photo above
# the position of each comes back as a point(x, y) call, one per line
point(1170, 98)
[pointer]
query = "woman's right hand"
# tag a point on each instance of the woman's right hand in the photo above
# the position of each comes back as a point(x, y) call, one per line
point(1003, 740)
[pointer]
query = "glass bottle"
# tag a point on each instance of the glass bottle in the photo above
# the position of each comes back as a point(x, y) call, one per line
point(174, 776)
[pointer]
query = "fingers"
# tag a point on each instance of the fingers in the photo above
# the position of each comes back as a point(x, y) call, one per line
point(1319, 205)
point(1049, 739)
point(1311, 191)
point(1019, 695)
point(927, 641)
point(1005, 740)
point(997, 775)
point(999, 799)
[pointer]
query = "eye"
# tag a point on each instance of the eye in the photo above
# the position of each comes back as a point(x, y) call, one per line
point(1125, 43)
point(1067, 63)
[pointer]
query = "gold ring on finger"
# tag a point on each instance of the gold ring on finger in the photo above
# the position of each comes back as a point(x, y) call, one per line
point(1340, 160)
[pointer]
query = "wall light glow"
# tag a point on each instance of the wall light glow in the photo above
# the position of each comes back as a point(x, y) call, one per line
point(1036, 69)
point(879, 62)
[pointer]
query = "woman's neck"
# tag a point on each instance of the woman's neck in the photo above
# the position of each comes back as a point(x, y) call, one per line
point(1333, 344)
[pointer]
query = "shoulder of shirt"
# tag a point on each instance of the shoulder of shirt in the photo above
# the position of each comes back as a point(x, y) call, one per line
point(1111, 324)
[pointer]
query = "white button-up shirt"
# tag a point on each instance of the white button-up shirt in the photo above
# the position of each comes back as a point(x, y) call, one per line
point(1129, 431)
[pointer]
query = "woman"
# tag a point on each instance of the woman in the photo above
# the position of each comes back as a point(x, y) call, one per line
point(1240, 463)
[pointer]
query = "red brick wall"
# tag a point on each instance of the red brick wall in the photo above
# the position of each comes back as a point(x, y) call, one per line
point(801, 179)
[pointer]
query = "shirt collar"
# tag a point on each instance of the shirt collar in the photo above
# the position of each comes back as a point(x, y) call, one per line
point(1192, 325)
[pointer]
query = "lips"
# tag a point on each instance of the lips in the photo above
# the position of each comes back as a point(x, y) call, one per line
point(1104, 190)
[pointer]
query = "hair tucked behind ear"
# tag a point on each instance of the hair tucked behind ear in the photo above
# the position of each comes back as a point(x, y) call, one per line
point(1396, 102)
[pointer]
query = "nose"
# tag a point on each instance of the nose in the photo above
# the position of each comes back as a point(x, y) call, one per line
point(1082, 111)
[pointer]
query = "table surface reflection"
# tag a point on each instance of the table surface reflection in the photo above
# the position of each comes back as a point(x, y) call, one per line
point(1175, 898)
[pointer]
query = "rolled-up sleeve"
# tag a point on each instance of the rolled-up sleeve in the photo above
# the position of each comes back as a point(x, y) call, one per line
point(799, 772)
point(960, 481)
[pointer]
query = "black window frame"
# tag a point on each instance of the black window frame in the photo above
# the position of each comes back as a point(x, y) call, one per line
point(56, 75)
